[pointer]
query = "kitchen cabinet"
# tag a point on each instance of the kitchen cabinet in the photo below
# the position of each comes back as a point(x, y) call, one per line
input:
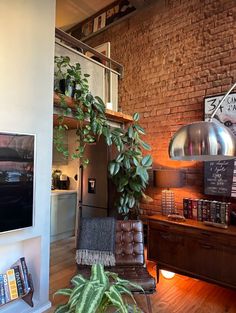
point(193, 249)
point(63, 214)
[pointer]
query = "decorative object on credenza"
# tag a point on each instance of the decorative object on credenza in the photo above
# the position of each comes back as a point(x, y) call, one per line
point(204, 141)
point(168, 178)
point(214, 212)
point(176, 217)
point(16, 283)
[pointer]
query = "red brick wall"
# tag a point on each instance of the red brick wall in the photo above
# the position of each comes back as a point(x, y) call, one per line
point(174, 54)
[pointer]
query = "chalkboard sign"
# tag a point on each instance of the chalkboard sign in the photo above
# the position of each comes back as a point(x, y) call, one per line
point(218, 178)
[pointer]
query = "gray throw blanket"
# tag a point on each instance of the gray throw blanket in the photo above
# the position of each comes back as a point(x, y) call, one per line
point(96, 242)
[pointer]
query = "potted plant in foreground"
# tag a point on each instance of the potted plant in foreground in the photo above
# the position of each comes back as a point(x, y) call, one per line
point(101, 293)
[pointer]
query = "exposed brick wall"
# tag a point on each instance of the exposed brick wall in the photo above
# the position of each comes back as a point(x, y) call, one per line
point(174, 53)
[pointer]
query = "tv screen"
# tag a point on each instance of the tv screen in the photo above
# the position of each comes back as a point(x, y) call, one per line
point(16, 181)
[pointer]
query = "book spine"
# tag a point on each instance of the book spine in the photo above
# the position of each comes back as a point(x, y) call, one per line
point(194, 208)
point(204, 210)
point(227, 213)
point(18, 281)
point(190, 208)
point(185, 207)
point(213, 211)
point(6, 288)
point(25, 274)
point(12, 284)
point(218, 216)
point(199, 210)
point(2, 291)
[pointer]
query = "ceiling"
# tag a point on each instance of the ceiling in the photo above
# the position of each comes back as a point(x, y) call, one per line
point(71, 12)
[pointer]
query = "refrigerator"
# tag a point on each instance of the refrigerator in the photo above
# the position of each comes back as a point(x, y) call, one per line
point(94, 185)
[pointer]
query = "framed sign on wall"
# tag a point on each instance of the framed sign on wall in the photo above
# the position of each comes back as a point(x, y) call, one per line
point(220, 176)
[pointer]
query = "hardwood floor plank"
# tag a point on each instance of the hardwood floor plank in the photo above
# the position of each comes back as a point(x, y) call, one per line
point(178, 295)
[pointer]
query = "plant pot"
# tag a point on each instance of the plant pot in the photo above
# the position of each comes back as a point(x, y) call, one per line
point(67, 87)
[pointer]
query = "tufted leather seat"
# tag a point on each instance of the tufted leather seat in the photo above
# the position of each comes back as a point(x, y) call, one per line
point(130, 261)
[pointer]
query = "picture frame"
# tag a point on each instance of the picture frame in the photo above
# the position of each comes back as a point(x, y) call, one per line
point(99, 22)
point(220, 176)
point(17, 180)
point(87, 28)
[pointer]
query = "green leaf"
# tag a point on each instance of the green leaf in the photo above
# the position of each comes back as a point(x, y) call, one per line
point(63, 292)
point(113, 168)
point(136, 117)
point(116, 299)
point(139, 129)
point(135, 186)
point(120, 158)
point(98, 273)
point(130, 132)
point(147, 161)
point(131, 202)
point(86, 75)
point(136, 162)
point(62, 308)
point(145, 145)
point(77, 280)
point(142, 172)
point(126, 163)
point(100, 100)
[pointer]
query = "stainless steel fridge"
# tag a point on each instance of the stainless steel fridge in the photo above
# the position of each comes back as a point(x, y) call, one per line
point(93, 181)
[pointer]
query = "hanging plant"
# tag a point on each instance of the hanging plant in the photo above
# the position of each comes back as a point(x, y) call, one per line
point(129, 170)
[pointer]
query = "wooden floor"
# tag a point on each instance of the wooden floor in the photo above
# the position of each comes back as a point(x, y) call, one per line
point(178, 295)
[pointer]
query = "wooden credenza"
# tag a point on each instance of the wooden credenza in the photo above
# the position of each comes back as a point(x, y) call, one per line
point(193, 249)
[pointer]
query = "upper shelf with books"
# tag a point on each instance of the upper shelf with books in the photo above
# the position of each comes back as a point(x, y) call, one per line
point(72, 123)
point(108, 16)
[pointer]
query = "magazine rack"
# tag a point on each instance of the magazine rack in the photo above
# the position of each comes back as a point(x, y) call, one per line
point(28, 297)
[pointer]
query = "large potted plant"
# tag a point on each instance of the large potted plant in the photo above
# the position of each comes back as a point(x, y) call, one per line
point(100, 293)
point(128, 170)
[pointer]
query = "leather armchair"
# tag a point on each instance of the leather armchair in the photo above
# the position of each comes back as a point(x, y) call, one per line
point(130, 260)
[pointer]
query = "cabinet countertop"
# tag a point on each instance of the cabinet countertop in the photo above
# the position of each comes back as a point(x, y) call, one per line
point(57, 192)
point(231, 230)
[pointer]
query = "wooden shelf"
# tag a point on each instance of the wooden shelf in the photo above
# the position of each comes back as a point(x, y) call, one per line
point(73, 123)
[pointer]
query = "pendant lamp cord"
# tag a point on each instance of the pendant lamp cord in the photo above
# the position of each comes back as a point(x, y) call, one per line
point(223, 99)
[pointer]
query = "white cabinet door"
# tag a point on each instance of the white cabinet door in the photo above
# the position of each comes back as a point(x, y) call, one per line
point(63, 211)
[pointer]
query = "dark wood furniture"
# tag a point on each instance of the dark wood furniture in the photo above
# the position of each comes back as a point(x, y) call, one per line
point(193, 249)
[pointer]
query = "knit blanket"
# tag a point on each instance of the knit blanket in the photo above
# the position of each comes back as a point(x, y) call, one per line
point(96, 242)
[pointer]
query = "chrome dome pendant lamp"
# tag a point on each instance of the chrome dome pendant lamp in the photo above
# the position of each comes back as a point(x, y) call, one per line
point(204, 141)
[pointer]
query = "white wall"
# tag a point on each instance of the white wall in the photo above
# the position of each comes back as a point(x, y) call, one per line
point(26, 106)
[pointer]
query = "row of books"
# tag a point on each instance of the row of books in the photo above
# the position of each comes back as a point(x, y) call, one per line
point(206, 210)
point(14, 283)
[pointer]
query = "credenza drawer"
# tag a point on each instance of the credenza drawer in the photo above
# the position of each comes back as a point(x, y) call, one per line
point(196, 251)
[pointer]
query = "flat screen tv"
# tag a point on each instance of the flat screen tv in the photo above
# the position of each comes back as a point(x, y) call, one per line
point(16, 181)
